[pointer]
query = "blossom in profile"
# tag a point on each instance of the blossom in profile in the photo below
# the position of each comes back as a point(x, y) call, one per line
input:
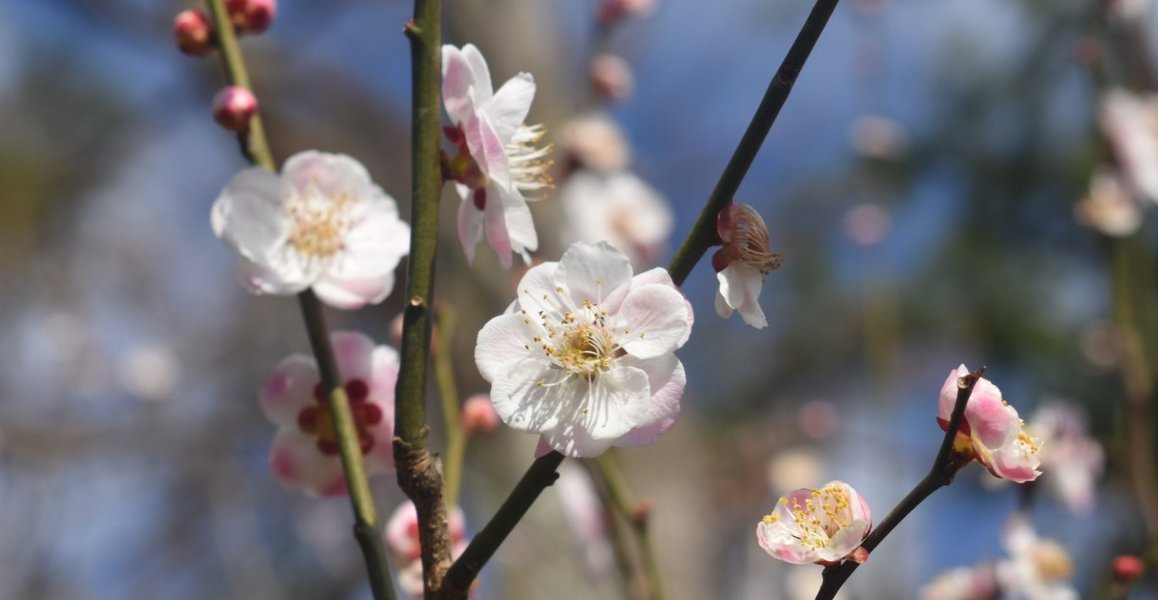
point(816, 525)
point(963, 583)
point(586, 354)
point(1109, 207)
point(1072, 458)
point(402, 541)
point(498, 164)
point(321, 224)
point(620, 208)
point(742, 263)
point(305, 451)
point(991, 431)
point(1036, 568)
point(1130, 123)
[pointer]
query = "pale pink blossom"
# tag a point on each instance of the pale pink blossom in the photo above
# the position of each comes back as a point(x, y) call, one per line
point(611, 77)
point(478, 415)
point(585, 356)
point(1073, 460)
point(585, 516)
point(1037, 569)
point(879, 138)
point(815, 525)
point(620, 208)
point(963, 583)
point(595, 142)
point(321, 224)
point(1130, 122)
point(498, 163)
point(305, 451)
point(742, 263)
point(402, 541)
point(1109, 208)
point(991, 431)
point(612, 12)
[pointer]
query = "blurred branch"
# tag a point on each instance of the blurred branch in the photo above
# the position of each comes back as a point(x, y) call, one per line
point(451, 406)
point(256, 149)
point(637, 514)
point(940, 474)
point(703, 233)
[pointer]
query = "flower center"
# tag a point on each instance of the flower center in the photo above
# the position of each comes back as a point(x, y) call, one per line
point(821, 516)
point(580, 343)
point(316, 421)
point(319, 224)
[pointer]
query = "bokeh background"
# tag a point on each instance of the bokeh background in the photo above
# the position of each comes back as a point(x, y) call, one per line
point(920, 182)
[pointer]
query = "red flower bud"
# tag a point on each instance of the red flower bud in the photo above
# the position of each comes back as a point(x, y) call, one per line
point(1127, 568)
point(479, 416)
point(193, 32)
point(251, 16)
point(233, 107)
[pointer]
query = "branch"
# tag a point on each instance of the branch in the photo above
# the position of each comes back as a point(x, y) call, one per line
point(703, 233)
point(637, 514)
point(941, 474)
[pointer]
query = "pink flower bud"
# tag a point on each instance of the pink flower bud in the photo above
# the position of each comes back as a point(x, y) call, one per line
point(479, 416)
point(612, 12)
point(1127, 568)
point(233, 107)
point(611, 77)
point(251, 16)
point(193, 32)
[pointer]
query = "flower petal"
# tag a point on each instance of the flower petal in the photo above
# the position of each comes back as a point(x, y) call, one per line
point(350, 294)
point(457, 79)
point(480, 72)
point(653, 319)
point(617, 401)
point(353, 351)
point(504, 341)
point(488, 150)
point(594, 272)
point(288, 389)
point(660, 276)
point(470, 223)
point(495, 221)
point(324, 173)
point(740, 285)
point(248, 214)
point(666, 379)
point(531, 396)
point(296, 461)
point(509, 106)
point(520, 227)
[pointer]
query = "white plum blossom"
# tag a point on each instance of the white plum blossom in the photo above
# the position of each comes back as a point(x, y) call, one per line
point(815, 525)
point(742, 263)
point(305, 451)
point(1130, 123)
point(321, 224)
point(594, 141)
point(620, 208)
point(585, 355)
point(1073, 459)
point(963, 583)
point(1109, 207)
point(991, 431)
point(497, 164)
point(1037, 569)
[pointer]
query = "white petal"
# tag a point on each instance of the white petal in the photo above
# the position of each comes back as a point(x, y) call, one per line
point(618, 401)
point(538, 292)
point(296, 461)
point(470, 223)
point(666, 379)
point(740, 285)
point(520, 227)
point(528, 396)
point(328, 174)
point(495, 223)
point(576, 443)
point(262, 279)
point(354, 293)
point(722, 307)
point(249, 215)
point(660, 276)
point(509, 106)
point(374, 247)
point(288, 389)
point(457, 79)
point(653, 319)
point(502, 342)
point(594, 272)
point(480, 72)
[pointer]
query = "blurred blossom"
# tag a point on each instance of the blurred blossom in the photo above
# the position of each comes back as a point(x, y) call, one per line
point(794, 468)
point(586, 355)
point(611, 77)
point(1037, 569)
point(963, 583)
point(1127, 568)
point(991, 431)
point(879, 137)
point(595, 142)
point(322, 224)
point(402, 541)
point(585, 515)
point(818, 419)
point(1130, 122)
point(803, 583)
point(815, 525)
point(1101, 345)
point(612, 12)
point(149, 371)
point(305, 452)
point(1073, 460)
point(497, 163)
point(1129, 10)
point(1109, 208)
point(619, 208)
point(867, 224)
point(478, 415)
point(742, 263)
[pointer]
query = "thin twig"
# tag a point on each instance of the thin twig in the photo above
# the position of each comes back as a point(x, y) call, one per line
point(638, 515)
point(451, 406)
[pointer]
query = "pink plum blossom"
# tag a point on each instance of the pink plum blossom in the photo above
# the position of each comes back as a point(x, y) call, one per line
point(402, 541)
point(1037, 569)
point(991, 431)
point(478, 415)
point(305, 450)
point(816, 525)
point(1073, 459)
point(620, 208)
point(595, 142)
point(497, 162)
point(585, 356)
point(742, 263)
point(321, 224)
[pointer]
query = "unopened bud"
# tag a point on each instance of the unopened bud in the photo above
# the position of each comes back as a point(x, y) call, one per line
point(1127, 568)
point(233, 107)
point(251, 16)
point(479, 416)
point(612, 12)
point(611, 77)
point(193, 32)
point(641, 511)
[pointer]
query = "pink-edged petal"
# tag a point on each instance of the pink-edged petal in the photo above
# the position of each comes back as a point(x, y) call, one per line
point(350, 294)
point(991, 420)
point(296, 461)
point(288, 389)
point(262, 279)
point(470, 224)
point(652, 320)
point(509, 106)
point(948, 396)
point(483, 88)
point(328, 174)
point(504, 341)
point(531, 396)
point(542, 448)
point(354, 353)
point(844, 541)
point(667, 380)
point(248, 214)
point(488, 150)
point(776, 539)
point(495, 222)
point(457, 80)
point(660, 276)
point(595, 272)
